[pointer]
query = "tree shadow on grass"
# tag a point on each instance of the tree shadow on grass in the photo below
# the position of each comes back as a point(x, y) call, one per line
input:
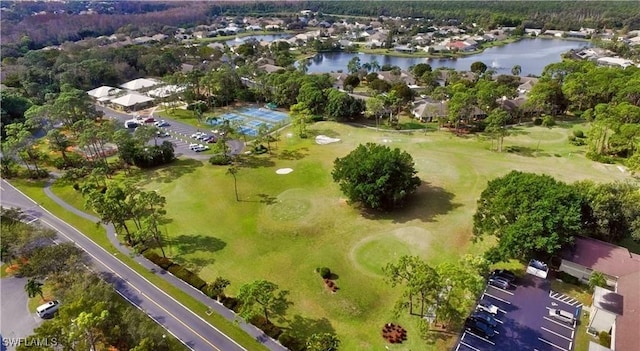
point(267, 199)
point(425, 204)
point(302, 328)
point(169, 173)
point(256, 161)
point(293, 154)
point(525, 151)
point(187, 244)
point(195, 265)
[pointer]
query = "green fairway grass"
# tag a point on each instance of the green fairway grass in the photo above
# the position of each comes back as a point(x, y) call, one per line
point(286, 226)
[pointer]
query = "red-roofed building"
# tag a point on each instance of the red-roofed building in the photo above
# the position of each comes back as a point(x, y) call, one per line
point(622, 269)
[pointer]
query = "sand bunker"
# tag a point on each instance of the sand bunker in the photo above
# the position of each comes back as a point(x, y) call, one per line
point(284, 171)
point(323, 140)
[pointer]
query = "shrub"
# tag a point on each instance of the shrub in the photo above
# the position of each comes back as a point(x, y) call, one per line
point(605, 339)
point(325, 272)
point(231, 303)
point(569, 279)
point(266, 326)
point(578, 133)
point(291, 342)
point(600, 158)
point(160, 261)
point(187, 276)
point(220, 160)
point(548, 121)
point(260, 149)
point(537, 121)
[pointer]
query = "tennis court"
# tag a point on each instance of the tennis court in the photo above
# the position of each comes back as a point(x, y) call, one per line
point(265, 114)
point(250, 119)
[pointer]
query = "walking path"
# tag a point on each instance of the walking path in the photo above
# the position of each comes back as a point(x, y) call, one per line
point(212, 304)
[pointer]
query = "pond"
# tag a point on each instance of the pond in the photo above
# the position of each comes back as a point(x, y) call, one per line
point(531, 54)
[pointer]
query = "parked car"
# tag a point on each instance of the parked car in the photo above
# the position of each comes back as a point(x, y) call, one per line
point(488, 307)
point(196, 135)
point(562, 316)
point(193, 146)
point(202, 137)
point(478, 327)
point(161, 123)
point(162, 134)
point(504, 274)
point(499, 282)
point(149, 119)
point(48, 309)
point(485, 318)
point(211, 140)
point(131, 124)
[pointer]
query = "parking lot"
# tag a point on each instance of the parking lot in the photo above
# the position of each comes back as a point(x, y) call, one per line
point(523, 319)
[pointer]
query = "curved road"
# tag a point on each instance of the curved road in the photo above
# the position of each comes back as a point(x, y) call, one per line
point(192, 330)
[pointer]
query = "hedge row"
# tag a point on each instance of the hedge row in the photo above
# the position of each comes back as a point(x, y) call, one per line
point(180, 272)
point(291, 342)
point(266, 326)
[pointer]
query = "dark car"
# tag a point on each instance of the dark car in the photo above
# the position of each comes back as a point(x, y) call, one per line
point(479, 328)
point(499, 282)
point(504, 274)
point(485, 318)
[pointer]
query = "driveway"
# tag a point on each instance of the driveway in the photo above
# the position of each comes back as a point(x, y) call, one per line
point(15, 321)
point(524, 322)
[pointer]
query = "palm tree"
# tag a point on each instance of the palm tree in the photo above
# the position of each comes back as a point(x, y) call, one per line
point(516, 70)
point(33, 288)
point(233, 170)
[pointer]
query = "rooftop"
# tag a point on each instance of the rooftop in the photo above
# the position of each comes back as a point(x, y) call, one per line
point(600, 256)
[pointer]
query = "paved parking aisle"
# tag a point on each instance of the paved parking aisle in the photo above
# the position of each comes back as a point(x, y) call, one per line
point(524, 322)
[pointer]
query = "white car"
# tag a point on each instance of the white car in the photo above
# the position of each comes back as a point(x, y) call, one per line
point(161, 123)
point(196, 135)
point(193, 146)
point(487, 307)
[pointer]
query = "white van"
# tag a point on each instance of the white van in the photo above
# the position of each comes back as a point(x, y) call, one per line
point(562, 316)
point(48, 309)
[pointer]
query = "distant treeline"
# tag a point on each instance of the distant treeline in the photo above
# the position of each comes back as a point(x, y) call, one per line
point(22, 31)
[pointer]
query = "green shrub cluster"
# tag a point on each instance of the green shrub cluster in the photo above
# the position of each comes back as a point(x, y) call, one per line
point(569, 279)
point(594, 156)
point(291, 342)
point(266, 326)
point(231, 303)
point(187, 276)
point(324, 272)
point(604, 339)
point(220, 160)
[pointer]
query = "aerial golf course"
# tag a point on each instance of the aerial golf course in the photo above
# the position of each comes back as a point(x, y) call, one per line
point(284, 226)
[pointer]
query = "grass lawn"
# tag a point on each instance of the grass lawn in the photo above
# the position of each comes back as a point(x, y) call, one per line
point(97, 234)
point(287, 225)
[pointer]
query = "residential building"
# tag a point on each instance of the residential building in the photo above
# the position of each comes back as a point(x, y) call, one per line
point(614, 311)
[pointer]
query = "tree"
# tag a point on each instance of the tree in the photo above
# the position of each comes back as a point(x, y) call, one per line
point(341, 106)
point(261, 297)
point(597, 279)
point(58, 142)
point(420, 69)
point(300, 116)
point(497, 126)
point(311, 95)
point(516, 70)
point(353, 66)
point(73, 105)
point(216, 289)
point(33, 288)
point(351, 82)
point(529, 214)
point(323, 342)
point(233, 171)
point(375, 108)
point(46, 260)
point(420, 280)
point(376, 176)
point(478, 67)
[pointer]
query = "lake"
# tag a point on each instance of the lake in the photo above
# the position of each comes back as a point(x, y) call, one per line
point(531, 54)
point(262, 37)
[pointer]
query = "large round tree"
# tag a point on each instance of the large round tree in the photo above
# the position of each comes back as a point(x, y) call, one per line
point(376, 176)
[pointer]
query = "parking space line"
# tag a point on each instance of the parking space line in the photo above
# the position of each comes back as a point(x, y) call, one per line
point(504, 291)
point(497, 298)
point(467, 345)
point(481, 338)
point(556, 334)
point(552, 344)
point(558, 323)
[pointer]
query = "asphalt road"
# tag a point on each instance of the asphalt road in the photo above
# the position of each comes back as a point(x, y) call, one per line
point(193, 331)
point(16, 321)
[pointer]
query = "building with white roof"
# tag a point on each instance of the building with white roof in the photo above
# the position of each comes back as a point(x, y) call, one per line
point(140, 83)
point(132, 102)
point(103, 92)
